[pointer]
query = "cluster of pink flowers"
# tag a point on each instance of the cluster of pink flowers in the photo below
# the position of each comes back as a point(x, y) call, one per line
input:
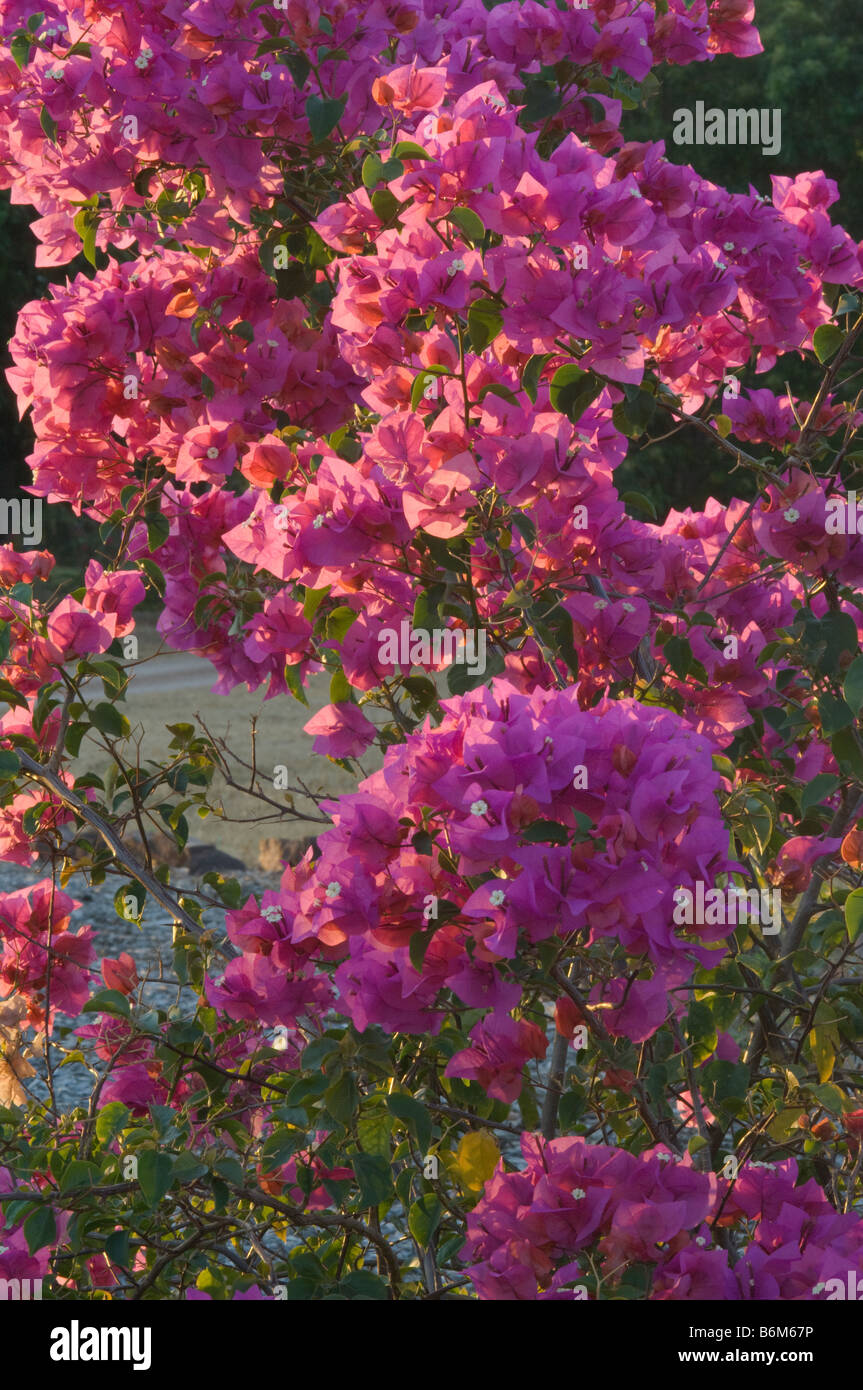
point(200, 92)
point(41, 959)
point(500, 765)
point(577, 1208)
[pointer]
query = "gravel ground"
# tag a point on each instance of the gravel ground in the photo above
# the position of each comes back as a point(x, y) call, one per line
point(149, 945)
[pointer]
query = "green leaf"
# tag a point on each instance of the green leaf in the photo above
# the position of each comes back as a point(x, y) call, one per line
point(854, 914)
point(340, 689)
point(539, 100)
point(418, 946)
point(375, 1132)
point(545, 832)
point(497, 388)
point(424, 1218)
point(426, 613)
point(385, 204)
point(21, 48)
point(111, 1120)
point(108, 1001)
point(409, 149)
point(10, 763)
point(362, 1284)
point(413, 1114)
point(572, 390)
point(338, 622)
point(312, 602)
point(525, 527)
point(342, 1098)
point(533, 370)
point(376, 170)
point(230, 1170)
point(294, 684)
point(816, 791)
point(638, 499)
point(323, 115)
point(108, 720)
point(374, 1177)
point(461, 678)
point(847, 754)
point(155, 1173)
point(40, 1229)
point(678, 654)
point(827, 340)
point(484, 322)
point(117, 1249)
point(298, 66)
point(571, 1108)
point(834, 714)
point(633, 414)
point(48, 124)
point(853, 687)
point(469, 225)
point(86, 223)
point(421, 382)
point(79, 1174)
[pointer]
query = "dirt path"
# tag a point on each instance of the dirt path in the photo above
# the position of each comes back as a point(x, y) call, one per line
point(175, 688)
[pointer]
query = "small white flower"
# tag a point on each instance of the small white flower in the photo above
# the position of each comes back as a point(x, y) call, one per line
point(728, 246)
point(212, 453)
point(600, 603)
point(318, 522)
point(478, 808)
point(333, 890)
point(791, 514)
point(56, 74)
point(141, 62)
point(548, 741)
point(495, 100)
point(720, 265)
point(272, 913)
point(266, 75)
point(628, 607)
point(146, 52)
point(664, 1158)
point(699, 1240)
point(578, 1193)
point(635, 193)
point(457, 264)
point(272, 342)
point(497, 897)
point(819, 1288)
point(205, 79)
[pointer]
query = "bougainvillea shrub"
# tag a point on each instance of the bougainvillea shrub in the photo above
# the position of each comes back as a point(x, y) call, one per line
point(355, 314)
